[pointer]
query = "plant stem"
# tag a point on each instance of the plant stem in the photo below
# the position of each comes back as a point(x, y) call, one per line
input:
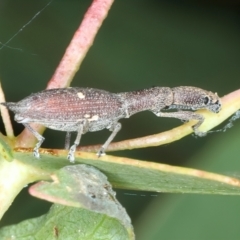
point(5, 115)
point(13, 179)
point(80, 44)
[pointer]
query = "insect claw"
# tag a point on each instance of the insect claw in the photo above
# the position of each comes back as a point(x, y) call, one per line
point(101, 152)
point(71, 158)
point(198, 133)
point(36, 153)
point(71, 152)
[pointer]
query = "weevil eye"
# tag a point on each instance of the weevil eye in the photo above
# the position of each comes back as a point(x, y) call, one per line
point(206, 100)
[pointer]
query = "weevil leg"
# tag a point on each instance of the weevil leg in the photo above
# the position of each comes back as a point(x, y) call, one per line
point(115, 129)
point(67, 140)
point(39, 137)
point(83, 128)
point(186, 116)
point(72, 149)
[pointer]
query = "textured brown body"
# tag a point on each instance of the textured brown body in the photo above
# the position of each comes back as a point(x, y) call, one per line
point(86, 109)
point(64, 109)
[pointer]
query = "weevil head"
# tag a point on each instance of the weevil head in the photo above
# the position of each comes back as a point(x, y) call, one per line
point(195, 98)
point(212, 102)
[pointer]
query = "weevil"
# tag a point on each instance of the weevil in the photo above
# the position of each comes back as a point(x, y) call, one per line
point(84, 110)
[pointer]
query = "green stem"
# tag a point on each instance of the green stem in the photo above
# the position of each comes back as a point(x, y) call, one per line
point(14, 176)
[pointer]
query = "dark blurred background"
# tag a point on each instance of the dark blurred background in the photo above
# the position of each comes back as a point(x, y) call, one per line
point(142, 43)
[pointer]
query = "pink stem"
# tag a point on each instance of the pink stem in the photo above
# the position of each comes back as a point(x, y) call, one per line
point(80, 44)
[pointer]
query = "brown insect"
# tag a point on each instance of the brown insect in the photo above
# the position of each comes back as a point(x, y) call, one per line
point(84, 110)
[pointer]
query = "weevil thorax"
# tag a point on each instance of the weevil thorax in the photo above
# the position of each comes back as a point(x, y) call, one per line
point(195, 98)
point(146, 99)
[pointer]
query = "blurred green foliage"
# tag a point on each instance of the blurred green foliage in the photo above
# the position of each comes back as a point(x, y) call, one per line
point(141, 44)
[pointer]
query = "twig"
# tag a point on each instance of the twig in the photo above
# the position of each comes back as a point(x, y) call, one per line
point(5, 115)
point(80, 44)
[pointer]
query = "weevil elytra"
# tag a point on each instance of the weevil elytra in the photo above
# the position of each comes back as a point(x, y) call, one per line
point(84, 110)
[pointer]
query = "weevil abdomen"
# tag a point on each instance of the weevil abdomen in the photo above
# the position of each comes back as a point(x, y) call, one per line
point(63, 109)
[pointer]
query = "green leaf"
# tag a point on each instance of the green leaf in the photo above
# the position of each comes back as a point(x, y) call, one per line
point(64, 223)
point(134, 174)
point(5, 149)
point(82, 186)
